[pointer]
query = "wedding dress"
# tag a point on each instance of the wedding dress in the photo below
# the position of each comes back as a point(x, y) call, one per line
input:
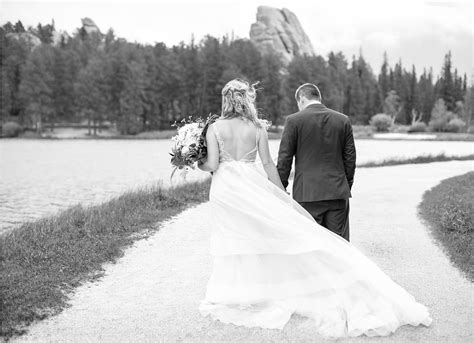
point(271, 259)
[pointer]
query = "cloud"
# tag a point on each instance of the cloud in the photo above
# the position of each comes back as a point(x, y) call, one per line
point(444, 3)
point(385, 40)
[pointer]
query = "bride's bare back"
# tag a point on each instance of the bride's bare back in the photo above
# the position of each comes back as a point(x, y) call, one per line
point(239, 137)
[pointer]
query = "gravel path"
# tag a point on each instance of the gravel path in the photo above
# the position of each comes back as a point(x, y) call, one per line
point(152, 293)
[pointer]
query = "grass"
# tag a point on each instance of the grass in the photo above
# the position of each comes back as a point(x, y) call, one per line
point(448, 208)
point(416, 160)
point(362, 131)
point(450, 136)
point(413, 160)
point(42, 261)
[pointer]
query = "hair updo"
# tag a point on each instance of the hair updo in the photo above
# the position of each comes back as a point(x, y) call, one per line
point(238, 100)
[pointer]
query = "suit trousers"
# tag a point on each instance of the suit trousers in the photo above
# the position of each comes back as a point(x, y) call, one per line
point(332, 214)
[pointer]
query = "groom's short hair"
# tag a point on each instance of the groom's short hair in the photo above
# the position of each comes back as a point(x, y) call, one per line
point(309, 91)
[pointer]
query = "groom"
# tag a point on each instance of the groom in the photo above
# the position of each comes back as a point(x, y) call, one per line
point(322, 143)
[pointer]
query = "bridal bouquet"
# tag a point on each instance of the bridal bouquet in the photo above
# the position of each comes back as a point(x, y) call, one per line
point(190, 143)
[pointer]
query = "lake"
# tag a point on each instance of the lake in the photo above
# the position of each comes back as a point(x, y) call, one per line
point(40, 177)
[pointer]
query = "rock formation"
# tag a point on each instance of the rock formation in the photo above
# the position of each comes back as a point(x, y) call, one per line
point(32, 40)
point(58, 36)
point(89, 25)
point(279, 31)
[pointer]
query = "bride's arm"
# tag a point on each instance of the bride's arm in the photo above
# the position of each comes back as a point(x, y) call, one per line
point(212, 161)
point(268, 164)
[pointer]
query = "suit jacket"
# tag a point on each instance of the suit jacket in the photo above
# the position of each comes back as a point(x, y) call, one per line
point(322, 143)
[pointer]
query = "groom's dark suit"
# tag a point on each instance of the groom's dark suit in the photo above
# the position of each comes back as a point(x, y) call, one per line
point(322, 143)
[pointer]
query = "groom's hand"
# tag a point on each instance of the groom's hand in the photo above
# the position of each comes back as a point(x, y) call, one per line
point(349, 154)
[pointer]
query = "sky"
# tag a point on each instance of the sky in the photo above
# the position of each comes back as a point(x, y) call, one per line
point(418, 32)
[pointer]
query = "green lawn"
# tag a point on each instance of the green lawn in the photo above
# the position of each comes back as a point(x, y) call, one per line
point(448, 208)
point(417, 160)
point(411, 160)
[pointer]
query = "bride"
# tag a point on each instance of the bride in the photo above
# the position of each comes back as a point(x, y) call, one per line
point(271, 259)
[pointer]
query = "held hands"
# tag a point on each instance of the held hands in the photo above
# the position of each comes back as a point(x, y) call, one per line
point(284, 190)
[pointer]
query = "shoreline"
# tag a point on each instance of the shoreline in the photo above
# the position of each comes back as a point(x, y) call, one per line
point(360, 133)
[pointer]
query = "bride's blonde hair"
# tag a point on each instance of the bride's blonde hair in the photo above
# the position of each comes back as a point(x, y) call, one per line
point(238, 100)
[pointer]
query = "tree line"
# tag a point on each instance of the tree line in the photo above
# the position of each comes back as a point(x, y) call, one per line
point(100, 78)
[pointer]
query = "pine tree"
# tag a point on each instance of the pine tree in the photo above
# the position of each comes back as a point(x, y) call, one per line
point(45, 33)
point(426, 95)
point(36, 88)
point(19, 28)
point(5, 101)
point(362, 92)
point(243, 56)
point(212, 62)
point(115, 74)
point(150, 90)
point(168, 76)
point(401, 85)
point(412, 103)
point(8, 27)
point(464, 83)
point(445, 85)
point(337, 74)
point(4, 86)
point(63, 86)
point(356, 97)
point(14, 56)
point(91, 93)
point(270, 96)
point(468, 108)
point(384, 85)
point(369, 85)
point(458, 92)
point(132, 101)
point(190, 79)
